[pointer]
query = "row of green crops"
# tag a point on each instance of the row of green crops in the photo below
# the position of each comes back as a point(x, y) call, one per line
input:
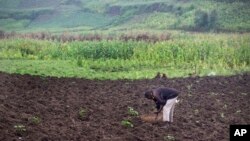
point(34, 49)
point(226, 50)
point(199, 52)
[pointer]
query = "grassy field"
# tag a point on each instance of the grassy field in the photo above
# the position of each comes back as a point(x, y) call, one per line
point(189, 54)
point(87, 15)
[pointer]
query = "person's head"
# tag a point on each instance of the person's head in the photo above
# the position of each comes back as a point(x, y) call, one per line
point(149, 94)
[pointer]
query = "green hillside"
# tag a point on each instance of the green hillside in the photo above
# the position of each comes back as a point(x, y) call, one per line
point(99, 15)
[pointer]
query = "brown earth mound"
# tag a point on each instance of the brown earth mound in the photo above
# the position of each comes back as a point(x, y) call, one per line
point(152, 118)
point(207, 107)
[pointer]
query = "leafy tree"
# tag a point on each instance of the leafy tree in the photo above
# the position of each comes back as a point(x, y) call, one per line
point(213, 18)
point(201, 19)
point(206, 20)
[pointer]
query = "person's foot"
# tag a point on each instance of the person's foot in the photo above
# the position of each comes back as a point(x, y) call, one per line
point(167, 125)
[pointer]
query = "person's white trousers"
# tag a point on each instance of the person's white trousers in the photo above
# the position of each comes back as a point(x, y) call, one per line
point(168, 110)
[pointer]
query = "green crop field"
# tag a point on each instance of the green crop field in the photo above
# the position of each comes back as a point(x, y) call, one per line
point(198, 54)
point(117, 39)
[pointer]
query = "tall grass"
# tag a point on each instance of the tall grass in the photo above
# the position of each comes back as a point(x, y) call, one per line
point(197, 52)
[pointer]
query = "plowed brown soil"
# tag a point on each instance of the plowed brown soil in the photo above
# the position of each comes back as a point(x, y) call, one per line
point(207, 107)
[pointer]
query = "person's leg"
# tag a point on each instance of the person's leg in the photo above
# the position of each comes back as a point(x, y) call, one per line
point(172, 113)
point(167, 112)
point(172, 110)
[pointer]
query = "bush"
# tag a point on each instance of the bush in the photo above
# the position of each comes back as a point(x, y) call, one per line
point(1, 34)
point(213, 20)
point(201, 19)
point(206, 20)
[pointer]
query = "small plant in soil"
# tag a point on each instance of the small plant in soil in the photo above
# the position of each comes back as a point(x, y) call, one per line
point(127, 123)
point(132, 112)
point(82, 114)
point(222, 115)
point(238, 111)
point(225, 106)
point(189, 87)
point(35, 120)
point(169, 138)
point(20, 129)
point(196, 111)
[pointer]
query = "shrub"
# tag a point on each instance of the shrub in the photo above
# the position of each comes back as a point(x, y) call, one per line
point(206, 20)
point(213, 19)
point(201, 19)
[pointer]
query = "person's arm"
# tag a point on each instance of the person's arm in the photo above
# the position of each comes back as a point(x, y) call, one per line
point(159, 105)
point(159, 101)
point(159, 110)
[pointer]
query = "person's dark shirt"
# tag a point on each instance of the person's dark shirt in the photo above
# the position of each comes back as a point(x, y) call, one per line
point(161, 95)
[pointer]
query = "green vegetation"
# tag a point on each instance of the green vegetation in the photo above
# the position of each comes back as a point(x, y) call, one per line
point(184, 55)
point(118, 39)
point(127, 123)
point(179, 55)
point(82, 114)
point(169, 138)
point(20, 129)
point(35, 120)
point(112, 15)
point(132, 112)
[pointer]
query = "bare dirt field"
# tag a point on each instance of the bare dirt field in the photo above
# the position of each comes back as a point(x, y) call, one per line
point(208, 105)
